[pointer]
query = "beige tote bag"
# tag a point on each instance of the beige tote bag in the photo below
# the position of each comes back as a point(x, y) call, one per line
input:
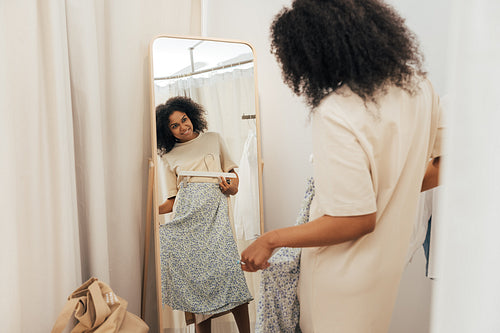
point(97, 308)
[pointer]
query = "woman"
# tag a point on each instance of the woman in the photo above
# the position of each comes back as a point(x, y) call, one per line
point(375, 125)
point(199, 257)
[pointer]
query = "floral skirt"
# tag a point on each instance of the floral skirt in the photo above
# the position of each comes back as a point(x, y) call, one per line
point(199, 257)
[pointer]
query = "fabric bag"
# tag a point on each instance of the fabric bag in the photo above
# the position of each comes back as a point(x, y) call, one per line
point(97, 308)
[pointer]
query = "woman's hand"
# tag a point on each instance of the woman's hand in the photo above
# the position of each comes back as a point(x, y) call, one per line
point(229, 186)
point(167, 206)
point(256, 255)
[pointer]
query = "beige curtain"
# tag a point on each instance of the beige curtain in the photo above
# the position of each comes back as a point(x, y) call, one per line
point(38, 206)
point(75, 139)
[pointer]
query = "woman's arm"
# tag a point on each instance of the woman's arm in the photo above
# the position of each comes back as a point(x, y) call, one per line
point(431, 178)
point(324, 231)
point(167, 206)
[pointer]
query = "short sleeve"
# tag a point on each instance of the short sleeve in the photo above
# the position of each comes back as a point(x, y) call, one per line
point(440, 106)
point(343, 181)
point(226, 161)
point(170, 180)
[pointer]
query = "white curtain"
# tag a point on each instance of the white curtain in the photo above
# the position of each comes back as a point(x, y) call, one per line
point(226, 96)
point(75, 139)
point(467, 294)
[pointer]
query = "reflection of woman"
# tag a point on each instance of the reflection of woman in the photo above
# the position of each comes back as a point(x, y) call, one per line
point(199, 257)
point(375, 130)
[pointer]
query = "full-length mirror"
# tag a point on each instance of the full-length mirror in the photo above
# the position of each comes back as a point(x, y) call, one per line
point(207, 193)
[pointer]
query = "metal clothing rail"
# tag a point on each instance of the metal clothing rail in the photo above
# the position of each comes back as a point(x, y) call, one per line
point(248, 116)
point(203, 71)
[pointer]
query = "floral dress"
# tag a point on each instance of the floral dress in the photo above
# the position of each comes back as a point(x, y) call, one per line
point(278, 307)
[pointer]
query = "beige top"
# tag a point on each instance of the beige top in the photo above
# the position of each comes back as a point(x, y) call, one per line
point(364, 162)
point(206, 152)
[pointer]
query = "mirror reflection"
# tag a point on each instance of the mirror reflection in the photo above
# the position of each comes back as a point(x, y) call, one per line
point(208, 191)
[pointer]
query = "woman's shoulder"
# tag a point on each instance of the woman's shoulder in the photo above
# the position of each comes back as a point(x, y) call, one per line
point(211, 136)
point(344, 98)
point(424, 83)
point(341, 100)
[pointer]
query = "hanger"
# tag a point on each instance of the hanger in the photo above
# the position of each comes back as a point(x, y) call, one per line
point(206, 174)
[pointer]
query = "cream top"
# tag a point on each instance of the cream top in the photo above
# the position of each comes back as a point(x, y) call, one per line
point(366, 161)
point(207, 152)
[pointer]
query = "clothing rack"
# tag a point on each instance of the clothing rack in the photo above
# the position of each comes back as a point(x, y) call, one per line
point(191, 49)
point(204, 71)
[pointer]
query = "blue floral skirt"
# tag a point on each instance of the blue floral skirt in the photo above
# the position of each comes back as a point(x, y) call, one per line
point(199, 257)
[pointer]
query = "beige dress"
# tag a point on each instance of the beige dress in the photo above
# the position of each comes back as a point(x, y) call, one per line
point(366, 161)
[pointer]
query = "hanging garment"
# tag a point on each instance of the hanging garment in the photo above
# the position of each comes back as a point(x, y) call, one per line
point(199, 258)
point(423, 233)
point(424, 212)
point(426, 245)
point(278, 308)
point(434, 236)
point(246, 205)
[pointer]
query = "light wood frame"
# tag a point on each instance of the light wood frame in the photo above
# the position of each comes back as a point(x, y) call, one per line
point(152, 205)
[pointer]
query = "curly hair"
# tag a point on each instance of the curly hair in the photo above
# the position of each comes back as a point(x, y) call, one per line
point(365, 44)
point(165, 140)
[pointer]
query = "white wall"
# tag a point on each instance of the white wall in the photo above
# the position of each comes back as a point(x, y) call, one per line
point(430, 20)
point(286, 137)
point(467, 295)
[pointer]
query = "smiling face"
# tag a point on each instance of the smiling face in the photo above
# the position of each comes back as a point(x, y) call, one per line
point(181, 127)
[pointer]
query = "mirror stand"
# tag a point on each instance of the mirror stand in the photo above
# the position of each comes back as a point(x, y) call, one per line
point(147, 239)
point(221, 76)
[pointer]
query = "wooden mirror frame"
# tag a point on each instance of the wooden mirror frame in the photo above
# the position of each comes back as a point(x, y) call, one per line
point(152, 215)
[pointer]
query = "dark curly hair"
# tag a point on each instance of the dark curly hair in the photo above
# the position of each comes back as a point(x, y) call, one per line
point(365, 44)
point(165, 140)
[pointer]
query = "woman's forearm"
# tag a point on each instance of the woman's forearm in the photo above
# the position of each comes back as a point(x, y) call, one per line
point(167, 206)
point(431, 177)
point(326, 230)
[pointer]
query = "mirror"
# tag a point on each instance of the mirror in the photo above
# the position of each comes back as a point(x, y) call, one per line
point(220, 76)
